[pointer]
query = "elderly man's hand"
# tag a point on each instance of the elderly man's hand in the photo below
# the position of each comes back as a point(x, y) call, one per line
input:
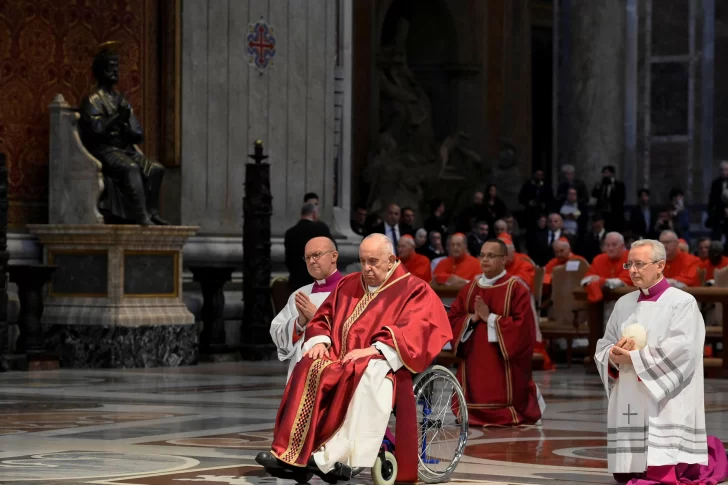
point(318, 351)
point(359, 354)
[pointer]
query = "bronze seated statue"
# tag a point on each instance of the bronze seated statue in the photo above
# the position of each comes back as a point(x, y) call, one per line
point(110, 132)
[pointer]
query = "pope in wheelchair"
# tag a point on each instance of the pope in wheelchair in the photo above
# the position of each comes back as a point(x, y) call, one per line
point(368, 338)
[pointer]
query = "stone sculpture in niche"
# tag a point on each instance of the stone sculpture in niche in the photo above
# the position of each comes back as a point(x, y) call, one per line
point(110, 132)
point(407, 162)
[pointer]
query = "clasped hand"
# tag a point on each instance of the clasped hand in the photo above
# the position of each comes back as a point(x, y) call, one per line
point(319, 351)
point(620, 352)
point(306, 309)
point(482, 312)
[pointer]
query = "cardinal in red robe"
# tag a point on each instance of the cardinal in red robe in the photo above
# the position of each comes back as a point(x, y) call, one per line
point(460, 267)
point(715, 260)
point(337, 402)
point(493, 322)
point(562, 254)
point(607, 269)
point(681, 269)
point(417, 264)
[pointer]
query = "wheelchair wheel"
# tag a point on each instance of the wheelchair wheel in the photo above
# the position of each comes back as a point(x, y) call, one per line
point(442, 417)
point(384, 471)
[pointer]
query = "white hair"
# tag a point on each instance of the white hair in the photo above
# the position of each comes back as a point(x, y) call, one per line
point(384, 242)
point(567, 169)
point(617, 235)
point(668, 232)
point(421, 232)
point(658, 249)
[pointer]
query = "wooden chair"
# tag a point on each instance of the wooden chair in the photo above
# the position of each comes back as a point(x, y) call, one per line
point(568, 318)
point(538, 288)
point(713, 315)
point(279, 293)
point(701, 276)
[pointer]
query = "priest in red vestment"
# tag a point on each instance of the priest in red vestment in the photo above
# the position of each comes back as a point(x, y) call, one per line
point(338, 401)
point(417, 264)
point(715, 260)
point(681, 269)
point(562, 254)
point(460, 267)
point(518, 264)
point(607, 269)
point(493, 322)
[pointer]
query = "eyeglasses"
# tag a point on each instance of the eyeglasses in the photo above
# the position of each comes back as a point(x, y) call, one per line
point(315, 256)
point(638, 265)
point(490, 256)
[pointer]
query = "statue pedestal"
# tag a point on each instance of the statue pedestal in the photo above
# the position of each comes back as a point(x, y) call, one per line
point(115, 299)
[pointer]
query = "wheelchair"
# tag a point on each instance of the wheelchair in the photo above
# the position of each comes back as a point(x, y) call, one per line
point(442, 418)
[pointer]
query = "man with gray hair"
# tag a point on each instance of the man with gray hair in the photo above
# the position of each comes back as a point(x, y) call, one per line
point(718, 204)
point(607, 269)
point(569, 181)
point(680, 267)
point(651, 363)
point(295, 240)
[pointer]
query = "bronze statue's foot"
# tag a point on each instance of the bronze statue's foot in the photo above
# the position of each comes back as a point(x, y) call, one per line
point(159, 221)
point(145, 222)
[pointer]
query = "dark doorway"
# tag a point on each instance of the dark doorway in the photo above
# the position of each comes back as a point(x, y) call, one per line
point(542, 98)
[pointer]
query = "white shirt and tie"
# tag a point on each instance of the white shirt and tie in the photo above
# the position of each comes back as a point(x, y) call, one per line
point(554, 236)
point(392, 232)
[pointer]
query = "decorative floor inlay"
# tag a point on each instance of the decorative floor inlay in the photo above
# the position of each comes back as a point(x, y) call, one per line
point(205, 424)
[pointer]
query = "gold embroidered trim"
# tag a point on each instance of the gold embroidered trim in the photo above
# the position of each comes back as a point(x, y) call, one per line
point(299, 431)
point(358, 310)
point(396, 347)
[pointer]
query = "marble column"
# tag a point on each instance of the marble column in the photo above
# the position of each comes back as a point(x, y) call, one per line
point(591, 86)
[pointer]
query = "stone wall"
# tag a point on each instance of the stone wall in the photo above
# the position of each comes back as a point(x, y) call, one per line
point(227, 105)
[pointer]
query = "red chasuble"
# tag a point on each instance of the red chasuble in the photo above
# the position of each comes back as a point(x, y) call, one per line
point(496, 376)
point(403, 313)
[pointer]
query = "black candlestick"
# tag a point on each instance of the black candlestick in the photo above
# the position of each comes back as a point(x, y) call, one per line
point(4, 257)
point(255, 338)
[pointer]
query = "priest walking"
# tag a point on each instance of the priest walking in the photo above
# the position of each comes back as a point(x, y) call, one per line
point(651, 362)
point(288, 326)
point(494, 331)
point(338, 401)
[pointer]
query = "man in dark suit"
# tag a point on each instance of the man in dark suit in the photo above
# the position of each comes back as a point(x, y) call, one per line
point(643, 217)
point(717, 217)
point(537, 197)
point(610, 194)
point(294, 241)
point(391, 226)
point(543, 250)
point(591, 244)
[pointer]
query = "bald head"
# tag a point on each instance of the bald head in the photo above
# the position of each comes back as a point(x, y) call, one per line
point(405, 247)
point(669, 240)
point(500, 226)
point(376, 255)
point(377, 242)
point(321, 257)
point(614, 245)
point(393, 215)
point(562, 249)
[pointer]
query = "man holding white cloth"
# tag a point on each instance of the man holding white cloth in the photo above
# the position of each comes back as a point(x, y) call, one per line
point(651, 362)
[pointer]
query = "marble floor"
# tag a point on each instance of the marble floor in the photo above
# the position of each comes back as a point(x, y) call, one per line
point(205, 424)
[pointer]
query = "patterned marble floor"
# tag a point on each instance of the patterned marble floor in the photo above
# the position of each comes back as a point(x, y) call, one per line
point(205, 424)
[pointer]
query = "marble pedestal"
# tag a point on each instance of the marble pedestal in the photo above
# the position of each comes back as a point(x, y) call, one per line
point(115, 299)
